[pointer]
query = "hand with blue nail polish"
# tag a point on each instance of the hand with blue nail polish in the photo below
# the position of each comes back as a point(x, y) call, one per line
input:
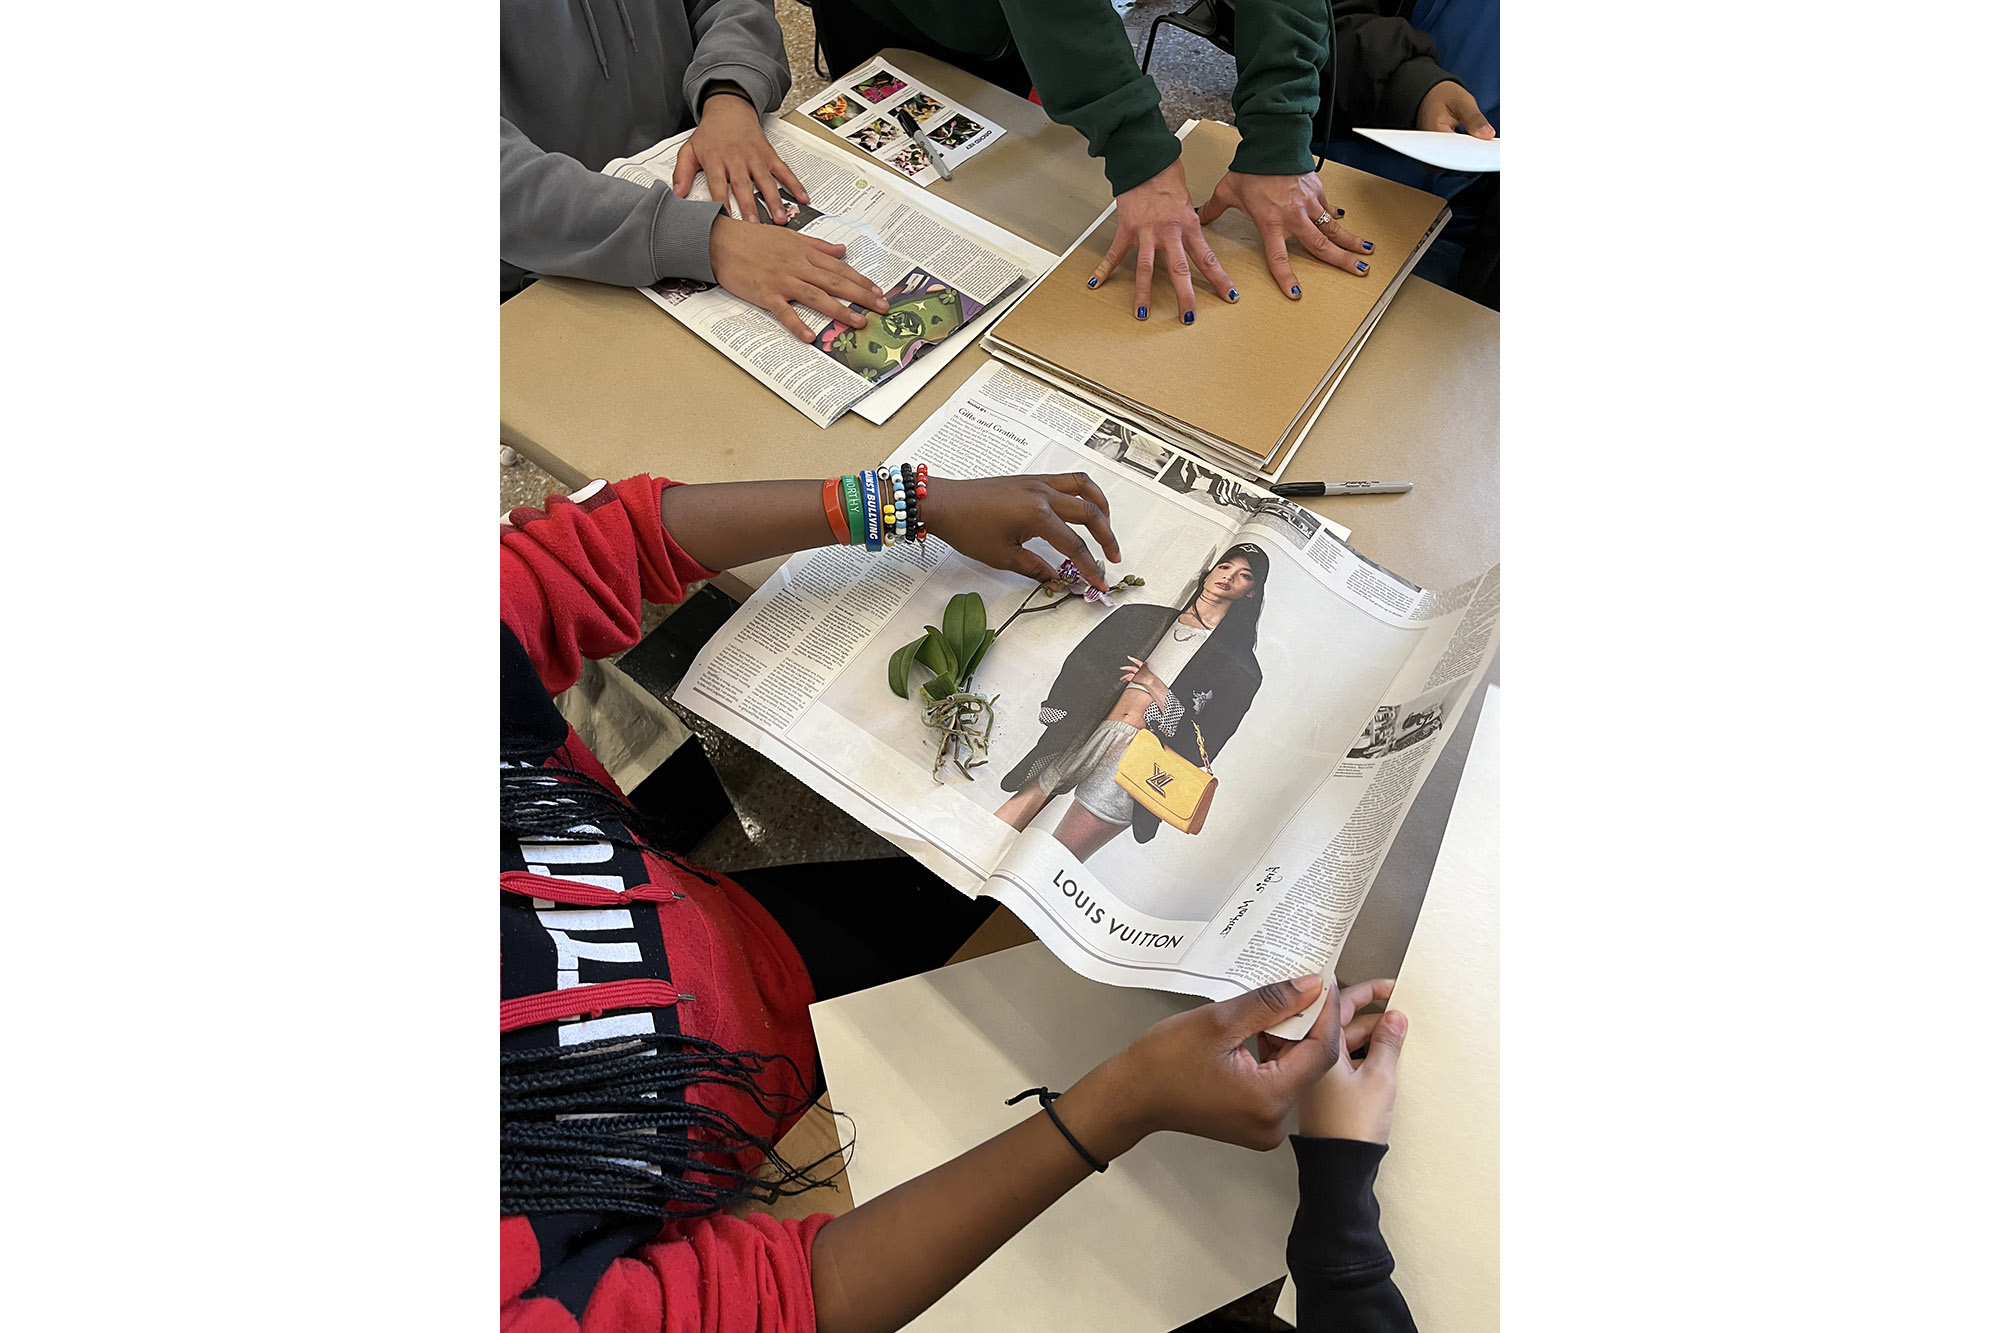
point(1287, 208)
point(1157, 223)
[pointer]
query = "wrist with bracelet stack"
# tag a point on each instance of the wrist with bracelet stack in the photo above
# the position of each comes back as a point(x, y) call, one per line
point(877, 508)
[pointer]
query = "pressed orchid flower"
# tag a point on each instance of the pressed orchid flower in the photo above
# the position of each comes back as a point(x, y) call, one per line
point(953, 651)
point(1069, 579)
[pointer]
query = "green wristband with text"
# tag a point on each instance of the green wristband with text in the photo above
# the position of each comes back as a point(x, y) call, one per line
point(857, 512)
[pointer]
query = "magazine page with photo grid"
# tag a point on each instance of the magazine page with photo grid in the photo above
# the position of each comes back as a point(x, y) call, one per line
point(861, 107)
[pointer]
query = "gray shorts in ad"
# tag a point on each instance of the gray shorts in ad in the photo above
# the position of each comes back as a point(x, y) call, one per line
point(1091, 767)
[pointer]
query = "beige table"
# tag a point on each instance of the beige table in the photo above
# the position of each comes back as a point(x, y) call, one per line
point(597, 381)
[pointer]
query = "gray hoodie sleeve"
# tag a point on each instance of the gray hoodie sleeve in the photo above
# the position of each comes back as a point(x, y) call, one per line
point(740, 42)
point(559, 217)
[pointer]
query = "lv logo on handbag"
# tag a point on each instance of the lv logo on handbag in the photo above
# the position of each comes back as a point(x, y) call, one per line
point(1182, 804)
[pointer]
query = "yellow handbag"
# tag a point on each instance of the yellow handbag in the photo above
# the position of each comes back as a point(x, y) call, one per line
point(1167, 784)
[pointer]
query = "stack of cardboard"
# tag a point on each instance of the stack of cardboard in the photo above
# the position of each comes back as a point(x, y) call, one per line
point(1244, 382)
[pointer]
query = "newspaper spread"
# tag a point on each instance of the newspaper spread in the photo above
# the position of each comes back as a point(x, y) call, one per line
point(861, 109)
point(1321, 727)
point(948, 276)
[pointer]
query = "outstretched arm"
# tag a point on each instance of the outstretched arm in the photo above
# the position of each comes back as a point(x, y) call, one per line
point(990, 519)
point(1281, 47)
point(574, 575)
point(886, 1262)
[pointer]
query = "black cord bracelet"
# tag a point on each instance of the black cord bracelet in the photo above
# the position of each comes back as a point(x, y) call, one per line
point(714, 89)
point(1048, 1104)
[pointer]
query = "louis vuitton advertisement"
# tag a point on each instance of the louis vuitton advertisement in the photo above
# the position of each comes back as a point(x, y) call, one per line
point(1164, 782)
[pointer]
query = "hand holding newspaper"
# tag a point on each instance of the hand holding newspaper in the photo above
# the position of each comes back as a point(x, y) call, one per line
point(1313, 687)
point(947, 273)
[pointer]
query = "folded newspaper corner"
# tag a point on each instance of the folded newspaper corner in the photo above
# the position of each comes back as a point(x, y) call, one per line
point(947, 273)
point(1320, 702)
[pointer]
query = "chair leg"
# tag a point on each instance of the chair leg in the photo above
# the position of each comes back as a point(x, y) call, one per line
point(1151, 34)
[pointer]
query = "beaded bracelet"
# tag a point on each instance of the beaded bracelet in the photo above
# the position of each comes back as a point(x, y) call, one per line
point(888, 497)
point(895, 476)
point(919, 480)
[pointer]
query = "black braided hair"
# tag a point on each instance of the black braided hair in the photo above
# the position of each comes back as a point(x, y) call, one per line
point(550, 801)
point(604, 1126)
point(587, 1128)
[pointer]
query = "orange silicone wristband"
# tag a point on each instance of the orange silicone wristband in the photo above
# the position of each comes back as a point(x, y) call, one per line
point(836, 509)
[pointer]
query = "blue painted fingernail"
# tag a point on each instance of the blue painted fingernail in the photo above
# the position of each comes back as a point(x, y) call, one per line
point(1361, 266)
point(1340, 212)
point(1295, 289)
point(1232, 293)
point(1188, 318)
point(1091, 283)
point(1142, 312)
point(1369, 246)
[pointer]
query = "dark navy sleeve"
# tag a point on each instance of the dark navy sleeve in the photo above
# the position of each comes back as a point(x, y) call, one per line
point(1336, 1253)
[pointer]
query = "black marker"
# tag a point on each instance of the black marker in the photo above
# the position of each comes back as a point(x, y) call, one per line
point(910, 127)
point(1308, 489)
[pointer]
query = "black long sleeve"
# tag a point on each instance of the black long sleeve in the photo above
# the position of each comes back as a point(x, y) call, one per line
point(1336, 1252)
point(1385, 66)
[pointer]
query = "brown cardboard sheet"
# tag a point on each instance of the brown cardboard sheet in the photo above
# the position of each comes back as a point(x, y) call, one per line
point(1244, 372)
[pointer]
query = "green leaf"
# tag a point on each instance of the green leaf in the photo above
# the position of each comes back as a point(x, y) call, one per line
point(954, 622)
point(979, 653)
point(937, 654)
point(965, 624)
point(941, 687)
point(899, 667)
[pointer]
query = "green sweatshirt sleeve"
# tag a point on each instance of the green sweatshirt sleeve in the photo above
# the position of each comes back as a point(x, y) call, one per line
point(1281, 47)
point(1085, 73)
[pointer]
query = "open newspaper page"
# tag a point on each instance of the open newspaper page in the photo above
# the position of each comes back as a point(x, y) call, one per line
point(947, 276)
point(1312, 775)
point(1356, 681)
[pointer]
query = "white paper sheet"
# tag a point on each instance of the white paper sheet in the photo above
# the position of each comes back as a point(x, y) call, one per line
point(1448, 149)
point(1176, 1228)
point(1440, 1182)
point(1181, 1225)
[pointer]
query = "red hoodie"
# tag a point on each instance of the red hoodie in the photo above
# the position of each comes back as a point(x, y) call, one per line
point(624, 941)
